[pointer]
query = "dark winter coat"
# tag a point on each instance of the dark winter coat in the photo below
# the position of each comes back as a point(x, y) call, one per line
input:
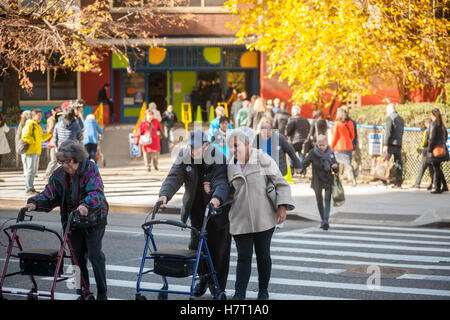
point(321, 177)
point(279, 147)
point(86, 188)
point(393, 130)
point(280, 121)
point(297, 129)
point(438, 136)
point(184, 171)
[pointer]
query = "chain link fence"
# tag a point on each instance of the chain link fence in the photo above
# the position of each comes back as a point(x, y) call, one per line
point(411, 153)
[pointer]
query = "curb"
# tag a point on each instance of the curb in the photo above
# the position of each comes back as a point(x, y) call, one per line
point(429, 219)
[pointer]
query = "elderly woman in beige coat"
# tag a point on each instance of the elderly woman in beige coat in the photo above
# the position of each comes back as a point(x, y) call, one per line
point(253, 216)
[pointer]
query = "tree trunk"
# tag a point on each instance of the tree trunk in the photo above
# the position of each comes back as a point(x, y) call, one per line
point(11, 92)
point(403, 92)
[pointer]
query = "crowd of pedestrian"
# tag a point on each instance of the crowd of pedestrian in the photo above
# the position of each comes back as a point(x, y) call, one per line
point(62, 125)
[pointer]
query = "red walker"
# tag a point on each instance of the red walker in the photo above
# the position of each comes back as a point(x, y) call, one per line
point(37, 261)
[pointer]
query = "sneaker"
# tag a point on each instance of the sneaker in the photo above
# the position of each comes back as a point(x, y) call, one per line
point(238, 296)
point(322, 224)
point(326, 226)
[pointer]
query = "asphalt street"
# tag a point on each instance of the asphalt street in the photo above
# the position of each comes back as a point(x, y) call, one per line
point(346, 262)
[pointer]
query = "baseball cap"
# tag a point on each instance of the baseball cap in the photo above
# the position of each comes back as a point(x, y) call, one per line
point(197, 138)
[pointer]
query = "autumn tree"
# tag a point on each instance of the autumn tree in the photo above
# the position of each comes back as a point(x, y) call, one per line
point(342, 46)
point(39, 35)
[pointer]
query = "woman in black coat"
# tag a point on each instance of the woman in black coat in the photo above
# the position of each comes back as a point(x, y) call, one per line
point(323, 163)
point(438, 136)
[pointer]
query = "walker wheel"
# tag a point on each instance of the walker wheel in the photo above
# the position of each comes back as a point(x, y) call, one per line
point(90, 297)
point(140, 297)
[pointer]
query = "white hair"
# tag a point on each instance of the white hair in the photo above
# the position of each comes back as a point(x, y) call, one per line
point(390, 108)
point(244, 134)
point(90, 116)
point(152, 106)
point(296, 110)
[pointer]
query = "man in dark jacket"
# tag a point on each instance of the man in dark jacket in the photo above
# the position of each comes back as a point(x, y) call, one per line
point(297, 130)
point(393, 135)
point(281, 119)
point(203, 171)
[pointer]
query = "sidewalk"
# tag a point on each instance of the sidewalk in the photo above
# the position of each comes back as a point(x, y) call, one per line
point(132, 189)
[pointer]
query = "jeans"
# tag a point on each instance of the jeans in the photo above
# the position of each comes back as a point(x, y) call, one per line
point(150, 157)
point(244, 245)
point(87, 244)
point(91, 149)
point(423, 167)
point(53, 163)
point(397, 152)
point(324, 211)
point(219, 245)
point(31, 168)
point(345, 158)
point(168, 133)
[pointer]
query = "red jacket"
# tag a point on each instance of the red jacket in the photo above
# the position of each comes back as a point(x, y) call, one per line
point(343, 135)
point(144, 127)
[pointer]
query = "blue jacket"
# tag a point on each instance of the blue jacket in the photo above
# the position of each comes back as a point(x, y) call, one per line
point(63, 133)
point(91, 128)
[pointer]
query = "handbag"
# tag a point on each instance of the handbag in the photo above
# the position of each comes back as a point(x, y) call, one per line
point(439, 151)
point(337, 191)
point(23, 146)
point(146, 139)
point(272, 194)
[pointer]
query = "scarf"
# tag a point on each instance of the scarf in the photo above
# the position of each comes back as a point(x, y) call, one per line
point(325, 157)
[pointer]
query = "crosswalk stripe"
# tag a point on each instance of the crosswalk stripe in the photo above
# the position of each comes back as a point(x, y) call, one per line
point(368, 233)
point(410, 276)
point(353, 226)
point(372, 239)
point(357, 262)
point(368, 255)
point(58, 295)
point(294, 282)
point(250, 294)
point(352, 286)
point(361, 245)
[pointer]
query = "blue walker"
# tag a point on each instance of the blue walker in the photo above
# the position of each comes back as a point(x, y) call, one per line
point(177, 263)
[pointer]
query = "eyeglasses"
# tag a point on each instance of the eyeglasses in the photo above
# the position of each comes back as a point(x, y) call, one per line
point(66, 161)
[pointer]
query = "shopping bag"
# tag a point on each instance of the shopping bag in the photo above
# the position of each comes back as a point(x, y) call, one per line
point(337, 191)
point(381, 168)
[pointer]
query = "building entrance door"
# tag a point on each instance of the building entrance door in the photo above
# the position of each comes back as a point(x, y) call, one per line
point(157, 89)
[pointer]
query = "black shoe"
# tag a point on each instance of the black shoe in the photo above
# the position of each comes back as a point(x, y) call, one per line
point(102, 297)
point(263, 295)
point(445, 190)
point(200, 287)
point(430, 187)
point(238, 296)
point(437, 191)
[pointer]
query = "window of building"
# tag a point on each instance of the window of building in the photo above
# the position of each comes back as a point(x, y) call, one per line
point(63, 85)
point(353, 101)
point(134, 88)
point(59, 85)
point(39, 91)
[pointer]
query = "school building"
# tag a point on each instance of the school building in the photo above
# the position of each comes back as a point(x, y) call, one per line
point(205, 50)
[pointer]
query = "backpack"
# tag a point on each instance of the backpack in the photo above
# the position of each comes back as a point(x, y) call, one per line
point(23, 146)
